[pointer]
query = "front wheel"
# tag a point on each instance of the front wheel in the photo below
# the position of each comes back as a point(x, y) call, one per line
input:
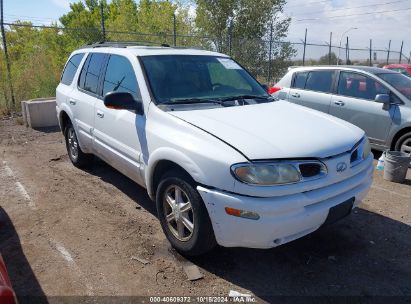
point(183, 215)
point(403, 143)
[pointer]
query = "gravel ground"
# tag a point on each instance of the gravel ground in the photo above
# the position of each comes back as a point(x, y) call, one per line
point(68, 232)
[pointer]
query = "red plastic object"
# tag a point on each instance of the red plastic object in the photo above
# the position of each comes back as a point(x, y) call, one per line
point(272, 90)
point(7, 295)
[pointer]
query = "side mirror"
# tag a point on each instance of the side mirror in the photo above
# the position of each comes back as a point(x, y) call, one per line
point(123, 101)
point(385, 100)
point(265, 87)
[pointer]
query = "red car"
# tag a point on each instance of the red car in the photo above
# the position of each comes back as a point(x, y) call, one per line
point(7, 295)
point(402, 68)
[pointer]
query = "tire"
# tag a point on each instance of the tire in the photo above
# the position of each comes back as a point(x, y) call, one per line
point(191, 209)
point(404, 143)
point(77, 156)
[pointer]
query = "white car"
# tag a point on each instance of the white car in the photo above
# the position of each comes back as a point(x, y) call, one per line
point(225, 163)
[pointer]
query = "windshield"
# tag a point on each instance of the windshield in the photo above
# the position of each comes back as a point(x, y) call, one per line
point(400, 82)
point(196, 78)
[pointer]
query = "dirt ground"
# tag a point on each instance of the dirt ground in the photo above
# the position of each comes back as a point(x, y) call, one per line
point(65, 232)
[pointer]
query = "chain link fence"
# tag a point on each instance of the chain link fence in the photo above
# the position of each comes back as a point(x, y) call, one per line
point(37, 54)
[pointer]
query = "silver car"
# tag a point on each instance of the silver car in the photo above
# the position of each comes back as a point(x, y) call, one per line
point(376, 100)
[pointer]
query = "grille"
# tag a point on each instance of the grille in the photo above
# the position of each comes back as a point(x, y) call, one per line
point(354, 156)
point(310, 169)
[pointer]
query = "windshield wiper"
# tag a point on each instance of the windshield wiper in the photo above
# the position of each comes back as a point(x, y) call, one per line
point(190, 101)
point(242, 97)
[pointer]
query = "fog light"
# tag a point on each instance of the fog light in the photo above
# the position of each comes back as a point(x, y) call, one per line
point(242, 213)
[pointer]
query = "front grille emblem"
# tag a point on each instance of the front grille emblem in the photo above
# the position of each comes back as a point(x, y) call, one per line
point(341, 167)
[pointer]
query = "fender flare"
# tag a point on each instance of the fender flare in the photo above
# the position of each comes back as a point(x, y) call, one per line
point(66, 109)
point(179, 158)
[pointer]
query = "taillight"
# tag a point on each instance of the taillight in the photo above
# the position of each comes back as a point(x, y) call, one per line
point(272, 90)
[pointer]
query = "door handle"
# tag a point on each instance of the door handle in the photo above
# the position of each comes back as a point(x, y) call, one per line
point(296, 95)
point(72, 101)
point(100, 114)
point(339, 103)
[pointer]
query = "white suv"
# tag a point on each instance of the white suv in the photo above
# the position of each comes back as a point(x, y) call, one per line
point(225, 163)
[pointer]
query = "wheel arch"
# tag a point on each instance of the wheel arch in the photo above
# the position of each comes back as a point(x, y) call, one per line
point(65, 115)
point(166, 160)
point(64, 119)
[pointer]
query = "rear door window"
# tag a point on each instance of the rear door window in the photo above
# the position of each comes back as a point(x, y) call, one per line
point(359, 86)
point(90, 73)
point(71, 69)
point(320, 81)
point(120, 77)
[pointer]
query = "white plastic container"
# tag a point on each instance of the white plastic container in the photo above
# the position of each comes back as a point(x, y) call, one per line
point(380, 164)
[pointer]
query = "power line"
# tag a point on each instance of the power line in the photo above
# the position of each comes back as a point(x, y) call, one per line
point(353, 15)
point(350, 8)
point(29, 17)
point(313, 2)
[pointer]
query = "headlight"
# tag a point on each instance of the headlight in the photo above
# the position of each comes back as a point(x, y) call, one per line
point(366, 150)
point(266, 174)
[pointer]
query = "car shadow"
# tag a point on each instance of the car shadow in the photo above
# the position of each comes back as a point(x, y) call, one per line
point(130, 188)
point(365, 254)
point(22, 277)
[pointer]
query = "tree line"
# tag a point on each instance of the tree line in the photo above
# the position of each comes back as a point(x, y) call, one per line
point(242, 28)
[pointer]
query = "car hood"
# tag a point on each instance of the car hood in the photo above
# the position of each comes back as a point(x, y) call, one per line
point(276, 130)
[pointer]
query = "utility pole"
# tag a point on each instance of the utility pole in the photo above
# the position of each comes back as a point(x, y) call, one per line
point(370, 52)
point(305, 45)
point(270, 54)
point(388, 54)
point(346, 52)
point(402, 44)
point(6, 55)
point(174, 29)
point(329, 48)
point(103, 28)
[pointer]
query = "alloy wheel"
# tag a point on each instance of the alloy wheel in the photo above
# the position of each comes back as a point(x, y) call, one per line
point(72, 143)
point(178, 213)
point(406, 146)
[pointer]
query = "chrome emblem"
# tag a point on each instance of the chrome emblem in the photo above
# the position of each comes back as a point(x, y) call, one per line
point(341, 167)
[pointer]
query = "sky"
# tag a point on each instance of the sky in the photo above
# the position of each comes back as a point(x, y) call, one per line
point(380, 20)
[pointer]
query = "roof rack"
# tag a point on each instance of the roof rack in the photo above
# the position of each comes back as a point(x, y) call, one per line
point(120, 44)
point(125, 44)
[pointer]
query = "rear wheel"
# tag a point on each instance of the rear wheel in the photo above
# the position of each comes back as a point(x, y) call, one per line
point(183, 215)
point(76, 155)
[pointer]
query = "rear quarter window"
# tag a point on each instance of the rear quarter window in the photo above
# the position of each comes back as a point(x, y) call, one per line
point(71, 69)
point(300, 80)
point(90, 73)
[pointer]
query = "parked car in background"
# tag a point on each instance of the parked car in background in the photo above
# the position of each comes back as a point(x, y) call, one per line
point(374, 99)
point(224, 161)
point(7, 295)
point(400, 68)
